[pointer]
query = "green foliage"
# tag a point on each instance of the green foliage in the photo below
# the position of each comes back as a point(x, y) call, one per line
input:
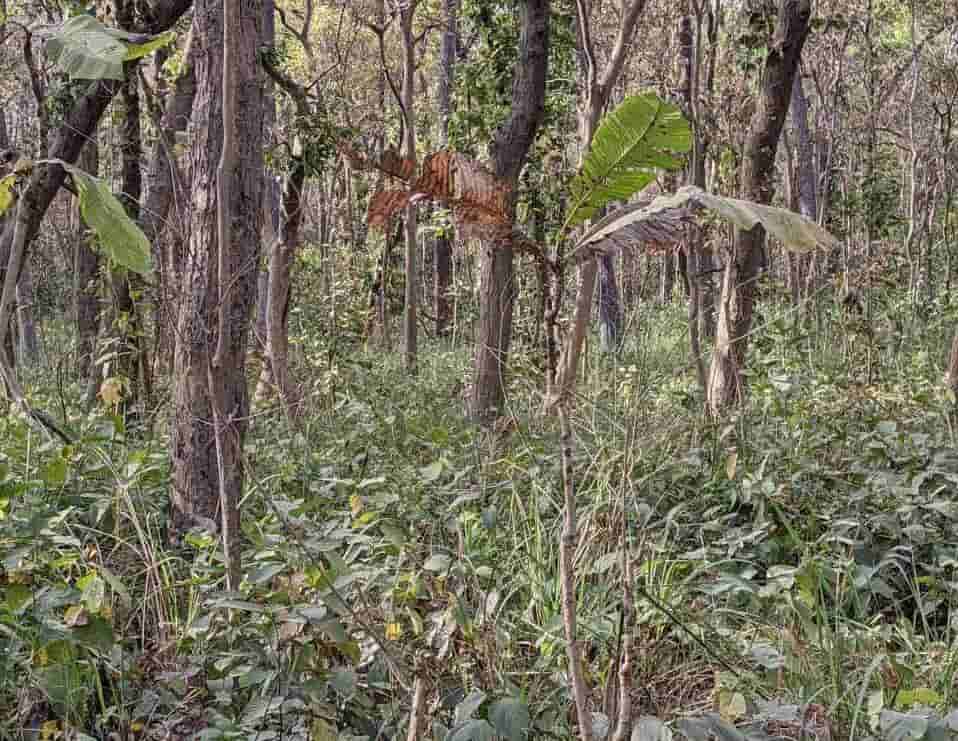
point(642, 135)
point(83, 48)
point(117, 234)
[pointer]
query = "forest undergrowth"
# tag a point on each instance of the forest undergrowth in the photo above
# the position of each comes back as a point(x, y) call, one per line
point(794, 563)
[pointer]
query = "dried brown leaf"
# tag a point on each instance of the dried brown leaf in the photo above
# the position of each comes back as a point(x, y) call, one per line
point(384, 206)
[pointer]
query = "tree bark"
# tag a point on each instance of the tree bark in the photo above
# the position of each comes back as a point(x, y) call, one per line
point(410, 326)
point(510, 148)
point(447, 75)
point(86, 266)
point(747, 259)
point(196, 487)
point(166, 193)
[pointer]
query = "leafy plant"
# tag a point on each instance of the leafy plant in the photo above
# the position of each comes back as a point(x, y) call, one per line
point(85, 49)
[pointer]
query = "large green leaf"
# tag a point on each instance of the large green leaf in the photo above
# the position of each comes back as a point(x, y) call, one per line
point(661, 221)
point(85, 49)
point(118, 235)
point(643, 135)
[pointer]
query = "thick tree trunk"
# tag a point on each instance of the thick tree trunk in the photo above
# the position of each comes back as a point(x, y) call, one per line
point(444, 87)
point(744, 264)
point(196, 489)
point(511, 147)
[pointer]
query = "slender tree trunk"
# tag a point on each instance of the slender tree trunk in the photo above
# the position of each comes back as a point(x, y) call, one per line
point(126, 314)
point(410, 313)
point(271, 205)
point(446, 82)
point(511, 147)
point(29, 346)
point(165, 203)
point(196, 470)
point(86, 266)
point(747, 259)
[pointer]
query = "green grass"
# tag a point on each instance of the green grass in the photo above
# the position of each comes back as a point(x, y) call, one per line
point(803, 551)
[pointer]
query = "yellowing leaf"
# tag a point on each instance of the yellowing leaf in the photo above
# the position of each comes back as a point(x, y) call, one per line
point(50, 729)
point(731, 705)
point(731, 464)
point(356, 504)
point(76, 616)
point(6, 192)
point(111, 391)
point(393, 631)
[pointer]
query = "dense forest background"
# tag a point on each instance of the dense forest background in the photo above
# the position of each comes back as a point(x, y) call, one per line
point(477, 369)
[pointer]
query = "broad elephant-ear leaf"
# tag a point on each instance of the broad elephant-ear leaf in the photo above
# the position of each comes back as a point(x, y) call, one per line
point(85, 49)
point(117, 234)
point(641, 136)
point(661, 221)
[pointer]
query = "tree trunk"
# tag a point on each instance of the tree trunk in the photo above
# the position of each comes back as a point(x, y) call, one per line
point(410, 326)
point(271, 206)
point(196, 488)
point(26, 326)
point(610, 307)
point(806, 175)
point(747, 259)
point(510, 149)
point(131, 350)
point(86, 266)
point(447, 76)
point(164, 187)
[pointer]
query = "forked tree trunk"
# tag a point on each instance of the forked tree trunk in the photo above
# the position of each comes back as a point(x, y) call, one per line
point(444, 87)
point(196, 489)
point(511, 147)
point(747, 259)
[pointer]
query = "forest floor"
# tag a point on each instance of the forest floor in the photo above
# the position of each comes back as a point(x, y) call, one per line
point(796, 562)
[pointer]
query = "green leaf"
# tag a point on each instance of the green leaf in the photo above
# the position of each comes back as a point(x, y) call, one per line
point(85, 49)
point(138, 51)
point(902, 726)
point(431, 472)
point(118, 235)
point(641, 136)
point(649, 728)
point(97, 635)
point(468, 707)
point(511, 718)
point(54, 474)
point(6, 192)
point(472, 730)
point(662, 221)
point(93, 591)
